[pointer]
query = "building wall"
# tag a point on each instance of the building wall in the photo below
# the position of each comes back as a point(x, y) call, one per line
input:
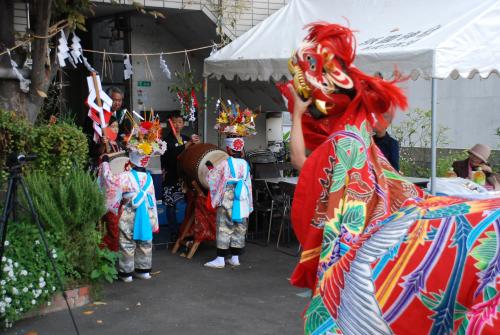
point(148, 36)
point(470, 108)
point(250, 14)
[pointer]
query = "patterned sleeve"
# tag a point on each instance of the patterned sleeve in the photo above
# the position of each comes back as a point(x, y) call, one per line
point(248, 182)
point(151, 192)
point(217, 179)
point(110, 185)
point(114, 186)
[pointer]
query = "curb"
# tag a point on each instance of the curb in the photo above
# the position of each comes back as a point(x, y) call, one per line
point(76, 298)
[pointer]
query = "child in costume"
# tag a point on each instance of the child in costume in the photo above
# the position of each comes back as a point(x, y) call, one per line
point(231, 193)
point(109, 145)
point(139, 218)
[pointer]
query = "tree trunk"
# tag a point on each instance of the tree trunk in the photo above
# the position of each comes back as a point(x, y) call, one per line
point(7, 86)
point(41, 75)
point(11, 96)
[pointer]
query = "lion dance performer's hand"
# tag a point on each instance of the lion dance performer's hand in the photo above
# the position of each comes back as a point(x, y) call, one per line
point(299, 106)
point(297, 145)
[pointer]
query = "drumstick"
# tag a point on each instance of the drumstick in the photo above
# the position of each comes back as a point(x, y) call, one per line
point(179, 140)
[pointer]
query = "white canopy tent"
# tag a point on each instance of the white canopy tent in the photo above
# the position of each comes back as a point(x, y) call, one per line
point(434, 39)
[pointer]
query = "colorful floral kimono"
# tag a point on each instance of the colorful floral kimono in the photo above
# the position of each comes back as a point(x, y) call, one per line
point(231, 193)
point(380, 257)
point(138, 219)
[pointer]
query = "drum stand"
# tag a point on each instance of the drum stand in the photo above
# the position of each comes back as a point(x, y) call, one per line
point(190, 217)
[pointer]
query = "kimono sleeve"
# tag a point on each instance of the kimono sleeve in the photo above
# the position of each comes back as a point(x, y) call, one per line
point(153, 214)
point(110, 185)
point(217, 179)
point(248, 182)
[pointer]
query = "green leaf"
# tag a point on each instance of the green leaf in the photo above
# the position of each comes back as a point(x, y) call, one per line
point(354, 217)
point(339, 178)
point(484, 252)
point(316, 315)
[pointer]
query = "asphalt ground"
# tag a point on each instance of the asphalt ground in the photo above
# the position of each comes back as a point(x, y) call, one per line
point(186, 298)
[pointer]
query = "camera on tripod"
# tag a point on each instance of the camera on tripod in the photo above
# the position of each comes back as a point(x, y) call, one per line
point(18, 159)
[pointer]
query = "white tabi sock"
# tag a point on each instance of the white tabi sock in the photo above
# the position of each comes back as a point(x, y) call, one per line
point(235, 260)
point(216, 263)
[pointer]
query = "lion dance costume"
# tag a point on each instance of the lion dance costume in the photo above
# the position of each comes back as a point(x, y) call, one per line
point(379, 256)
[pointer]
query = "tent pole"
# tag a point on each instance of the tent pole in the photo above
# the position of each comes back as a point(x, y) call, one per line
point(433, 135)
point(205, 108)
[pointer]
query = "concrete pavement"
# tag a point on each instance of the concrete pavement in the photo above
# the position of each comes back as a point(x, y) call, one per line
point(186, 298)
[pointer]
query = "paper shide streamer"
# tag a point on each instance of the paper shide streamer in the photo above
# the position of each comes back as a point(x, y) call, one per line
point(127, 71)
point(63, 53)
point(164, 67)
point(24, 84)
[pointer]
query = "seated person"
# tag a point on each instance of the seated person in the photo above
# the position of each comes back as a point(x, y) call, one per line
point(478, 157)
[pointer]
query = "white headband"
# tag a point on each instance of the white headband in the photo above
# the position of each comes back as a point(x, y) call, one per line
point(235, 143)
point(139, 160)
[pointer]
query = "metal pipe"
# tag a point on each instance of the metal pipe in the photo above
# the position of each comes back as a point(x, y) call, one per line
point(433, 134)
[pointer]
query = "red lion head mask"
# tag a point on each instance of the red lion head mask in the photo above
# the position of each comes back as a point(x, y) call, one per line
point(322, 69)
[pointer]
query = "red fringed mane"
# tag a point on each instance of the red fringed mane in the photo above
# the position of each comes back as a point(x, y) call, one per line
point(338, 38)
point(376, 96)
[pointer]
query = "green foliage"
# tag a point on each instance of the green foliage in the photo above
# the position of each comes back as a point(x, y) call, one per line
point(74, 11)
point(415, 130)
point(444, 163)
point(15, 136)
point(228, 13)
point(60, 147)
point(27, 279)
point(70, 207)
point(186, 82)
point(410, 167)
point(107, 270)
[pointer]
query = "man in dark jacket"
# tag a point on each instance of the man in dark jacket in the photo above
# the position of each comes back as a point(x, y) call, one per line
point(389, 147)
point(386, 143)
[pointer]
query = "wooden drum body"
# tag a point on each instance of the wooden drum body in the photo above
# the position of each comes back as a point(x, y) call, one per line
point(192, 162)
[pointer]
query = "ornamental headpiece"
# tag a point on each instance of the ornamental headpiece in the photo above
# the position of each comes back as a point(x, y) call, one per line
point(145, 140)
point(234, 121)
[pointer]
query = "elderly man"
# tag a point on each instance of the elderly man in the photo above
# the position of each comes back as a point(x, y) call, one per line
point(478, 158)
point(119, 110)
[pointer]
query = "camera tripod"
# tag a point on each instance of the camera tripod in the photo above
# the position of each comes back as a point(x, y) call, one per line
point(15, 179)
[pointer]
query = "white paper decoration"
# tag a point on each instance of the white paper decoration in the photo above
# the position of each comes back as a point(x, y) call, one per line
point(164, 67)
point(127, 72)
